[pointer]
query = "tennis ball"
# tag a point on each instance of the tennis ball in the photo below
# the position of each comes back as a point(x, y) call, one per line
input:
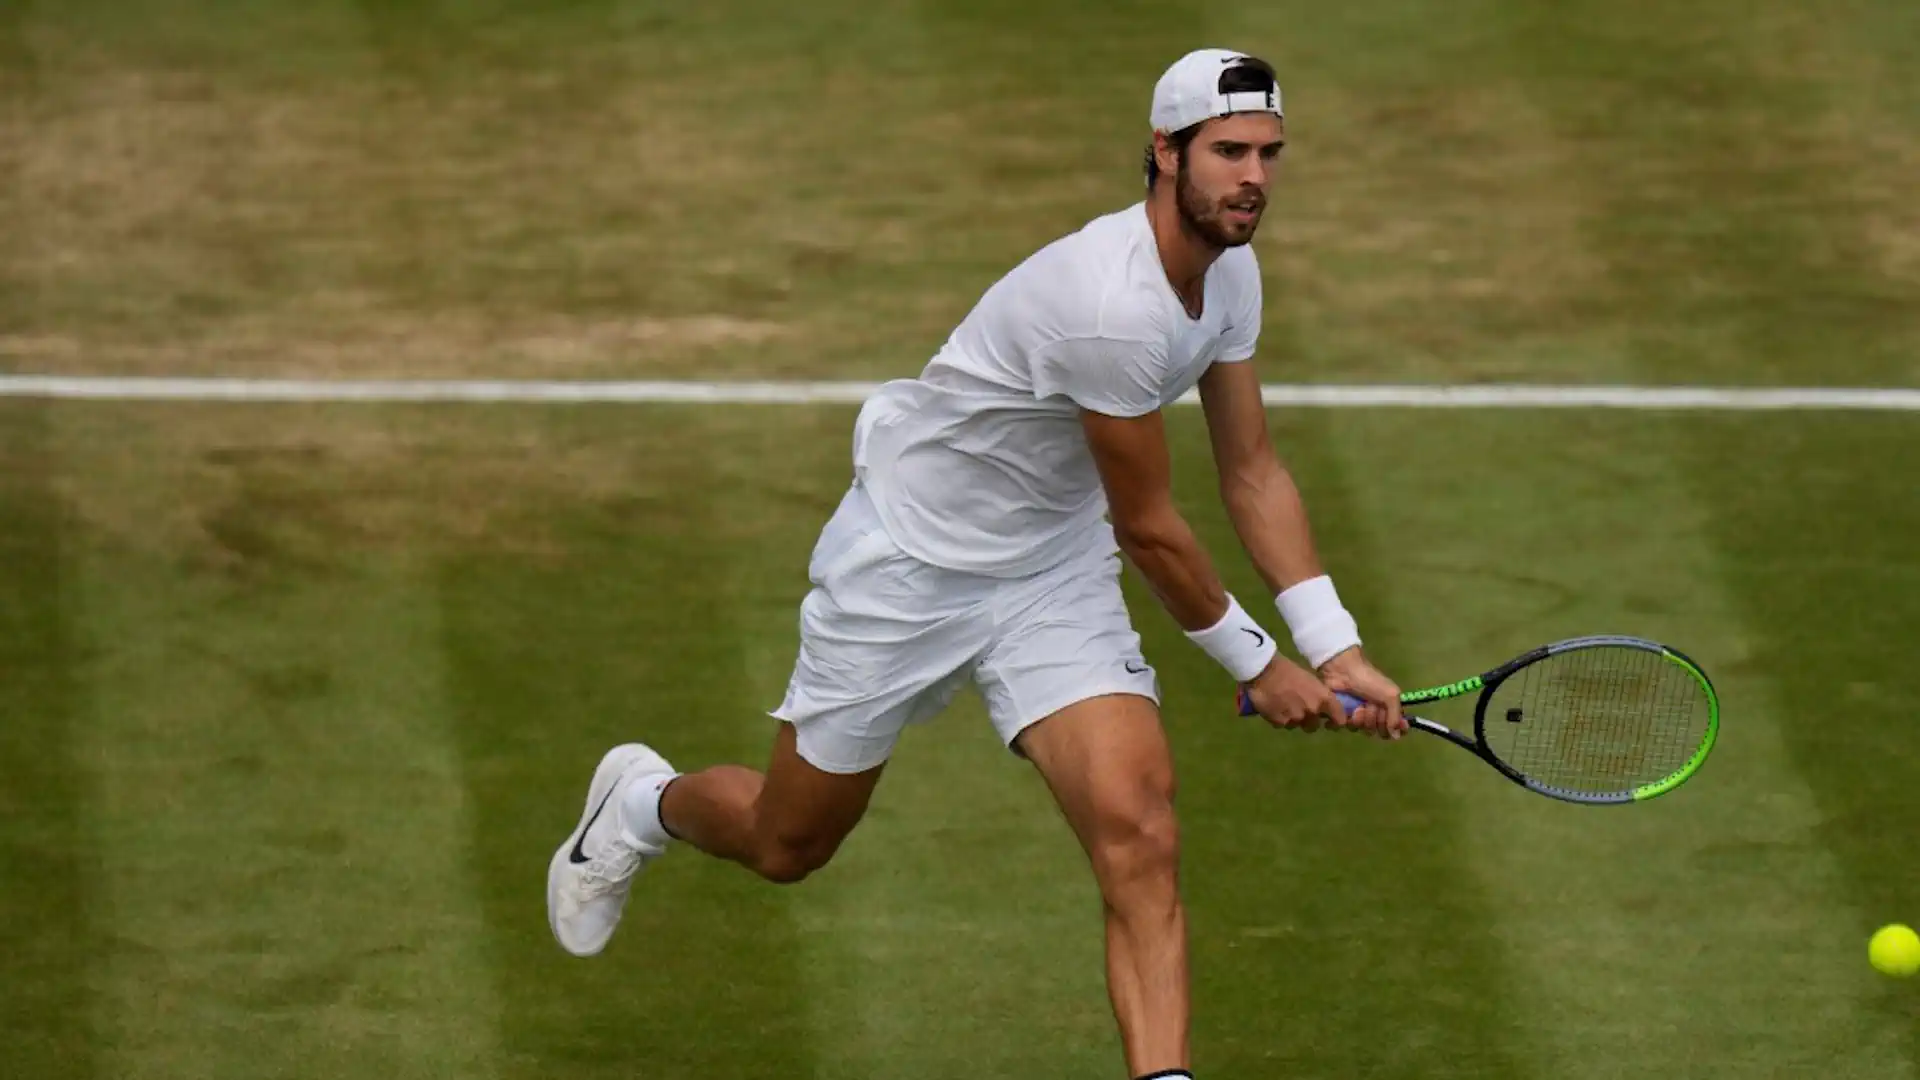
point(1895, 950)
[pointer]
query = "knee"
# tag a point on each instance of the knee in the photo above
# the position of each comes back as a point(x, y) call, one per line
point(1137, 850)
point(790, 861)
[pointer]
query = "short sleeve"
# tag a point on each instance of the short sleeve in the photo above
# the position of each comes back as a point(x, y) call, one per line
point(1243, 329)
point(1103, 375)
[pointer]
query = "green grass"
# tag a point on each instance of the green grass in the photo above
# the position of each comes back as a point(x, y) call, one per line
point(1484, 191)
point(45, 848)
point(325, 728)
point(295, 702)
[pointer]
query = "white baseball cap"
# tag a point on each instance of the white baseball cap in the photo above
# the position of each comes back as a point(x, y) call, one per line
point(1190, 92)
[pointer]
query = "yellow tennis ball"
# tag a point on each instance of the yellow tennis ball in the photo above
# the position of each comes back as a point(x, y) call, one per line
point(1895, 950)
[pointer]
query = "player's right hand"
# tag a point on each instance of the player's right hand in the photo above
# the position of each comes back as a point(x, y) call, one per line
point(1291, 697)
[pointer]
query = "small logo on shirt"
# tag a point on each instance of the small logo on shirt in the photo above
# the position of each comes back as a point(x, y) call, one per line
point(1135, 667)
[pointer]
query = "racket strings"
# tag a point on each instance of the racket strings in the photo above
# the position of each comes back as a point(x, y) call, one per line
point(1598, 720)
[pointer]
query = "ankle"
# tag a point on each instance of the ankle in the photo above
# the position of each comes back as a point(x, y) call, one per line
point(640, 820)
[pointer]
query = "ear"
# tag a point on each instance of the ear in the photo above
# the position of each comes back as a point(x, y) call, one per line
point(1165, 154)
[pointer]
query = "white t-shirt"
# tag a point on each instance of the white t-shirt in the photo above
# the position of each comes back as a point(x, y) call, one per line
point(981, 464)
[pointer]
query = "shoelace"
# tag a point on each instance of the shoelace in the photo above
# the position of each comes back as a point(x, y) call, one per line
point(615, 866)
point(605, 872)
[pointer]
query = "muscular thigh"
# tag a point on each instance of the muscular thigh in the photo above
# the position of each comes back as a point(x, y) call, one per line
point(803, 807)
point(1108, 764)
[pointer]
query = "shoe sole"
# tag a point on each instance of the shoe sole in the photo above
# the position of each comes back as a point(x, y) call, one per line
point(612, 766)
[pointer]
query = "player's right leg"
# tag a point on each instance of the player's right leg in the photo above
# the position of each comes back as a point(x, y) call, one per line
point(885, 641)
point(782, 824)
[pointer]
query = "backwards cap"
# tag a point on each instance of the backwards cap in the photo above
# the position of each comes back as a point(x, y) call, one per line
point(1190, 91)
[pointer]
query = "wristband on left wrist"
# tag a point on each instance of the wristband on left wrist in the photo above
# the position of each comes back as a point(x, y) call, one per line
point(1322, 627)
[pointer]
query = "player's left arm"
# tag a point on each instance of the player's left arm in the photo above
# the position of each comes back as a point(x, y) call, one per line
point(1259, 492)
point(1270, 518)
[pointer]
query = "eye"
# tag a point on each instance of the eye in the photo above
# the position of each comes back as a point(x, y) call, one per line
point(1270, 152)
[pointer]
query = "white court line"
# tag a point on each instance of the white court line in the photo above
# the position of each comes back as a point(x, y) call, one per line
point(1472, 396)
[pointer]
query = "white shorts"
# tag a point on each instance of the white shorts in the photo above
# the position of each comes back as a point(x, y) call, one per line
point(887, 640)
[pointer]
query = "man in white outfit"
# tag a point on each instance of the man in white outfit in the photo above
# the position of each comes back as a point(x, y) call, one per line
point(981, 540)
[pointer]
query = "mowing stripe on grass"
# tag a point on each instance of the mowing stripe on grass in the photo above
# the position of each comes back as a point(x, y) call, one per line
point(1813, 553)
point(604, 631)
point(955, 932)
point(45, 861)
point(1710, 930)
point(1288, 986)
point(280, 817)
point(47, 855)
point(1832, 626)
point(1332, 396)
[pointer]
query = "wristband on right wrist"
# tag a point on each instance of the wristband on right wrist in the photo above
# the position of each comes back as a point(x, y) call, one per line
point(1237, 643)
point(1322, 628)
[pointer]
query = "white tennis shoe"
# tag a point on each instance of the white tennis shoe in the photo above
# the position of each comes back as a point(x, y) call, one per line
point(592, 873)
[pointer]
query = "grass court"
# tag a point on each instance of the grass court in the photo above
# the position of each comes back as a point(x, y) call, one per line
point(295, 701)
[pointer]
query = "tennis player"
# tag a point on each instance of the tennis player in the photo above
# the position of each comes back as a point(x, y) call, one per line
point(981, 541)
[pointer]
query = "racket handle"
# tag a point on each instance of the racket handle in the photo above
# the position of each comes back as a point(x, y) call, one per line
point(1347, 700)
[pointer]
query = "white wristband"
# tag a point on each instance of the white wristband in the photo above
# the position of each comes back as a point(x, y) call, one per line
point(1237, 643)
point(1322, 629)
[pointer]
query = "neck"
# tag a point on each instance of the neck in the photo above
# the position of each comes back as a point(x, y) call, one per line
point(1184, 254)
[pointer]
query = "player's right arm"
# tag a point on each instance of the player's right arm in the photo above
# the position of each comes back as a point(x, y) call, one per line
point(1136, 471)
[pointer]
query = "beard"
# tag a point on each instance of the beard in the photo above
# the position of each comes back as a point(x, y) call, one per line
point(1207, 218)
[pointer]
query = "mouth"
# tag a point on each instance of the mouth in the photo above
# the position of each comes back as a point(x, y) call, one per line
point(1245, 211)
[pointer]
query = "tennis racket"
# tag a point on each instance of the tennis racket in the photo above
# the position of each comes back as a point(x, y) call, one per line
point(1602, 719)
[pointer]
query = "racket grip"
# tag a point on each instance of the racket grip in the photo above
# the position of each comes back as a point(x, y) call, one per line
point(1347, 700)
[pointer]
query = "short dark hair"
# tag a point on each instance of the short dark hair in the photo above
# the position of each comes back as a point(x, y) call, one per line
point(1249, 74)
point(1180, 140)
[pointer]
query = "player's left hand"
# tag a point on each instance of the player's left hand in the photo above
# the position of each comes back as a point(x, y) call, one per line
point(1353, 672)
